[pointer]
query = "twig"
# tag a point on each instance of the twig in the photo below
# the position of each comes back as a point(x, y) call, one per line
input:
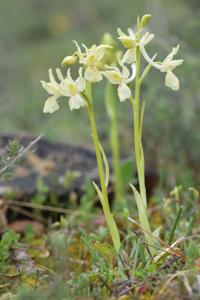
point(38, 206)
point(168, 248)
point(28, 214)
point(146, 231)
point(5, 285)
point(21, 153)
point(187, 286)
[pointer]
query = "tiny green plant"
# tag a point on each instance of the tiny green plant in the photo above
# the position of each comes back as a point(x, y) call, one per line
point(128, 77)
point(6, 159)
point(9, 239)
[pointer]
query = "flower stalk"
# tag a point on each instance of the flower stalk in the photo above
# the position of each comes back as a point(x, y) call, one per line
point(137, 135)
point(103, 195)
point(141, 199)
point(114, 141)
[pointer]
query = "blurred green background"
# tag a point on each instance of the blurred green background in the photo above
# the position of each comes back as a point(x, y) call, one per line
point(36, 34)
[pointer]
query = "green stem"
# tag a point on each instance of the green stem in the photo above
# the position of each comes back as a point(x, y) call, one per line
point(139, 151)
point(114, 141)
point(105, 203)
point(137, 132)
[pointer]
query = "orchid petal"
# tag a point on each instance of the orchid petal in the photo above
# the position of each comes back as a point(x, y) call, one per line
point(171, 81)
point(52, 88)
point(113, 76)
point(51, 105)
point(59, 74)
point(76, 102)
point(93, 74)
point(121, 33)
point(133, 75)
point(81, 84)
point(124, 92)
point(172, 54)
point(146, 39)
point(51, 77)
point(100, 51)
point(125, 71)
point(129, 56)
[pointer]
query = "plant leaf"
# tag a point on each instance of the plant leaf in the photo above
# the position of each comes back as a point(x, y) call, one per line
point(105, 250)
point(142, 211)
point(99, 193)
point(106, 165)
point(127, 174)
point(109, 219)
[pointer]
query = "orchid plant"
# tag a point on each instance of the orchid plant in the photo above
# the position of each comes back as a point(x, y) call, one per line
point(126, 75)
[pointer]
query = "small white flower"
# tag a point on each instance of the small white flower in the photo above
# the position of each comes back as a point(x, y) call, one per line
point(130, 42)
point(167, 66)
point(73, 88)
point(67, 87)
point(92, 59)
point(121, 78)
point(54, 89)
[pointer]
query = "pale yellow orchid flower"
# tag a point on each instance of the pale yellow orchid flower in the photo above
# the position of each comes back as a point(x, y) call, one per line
point(167, 66)
point(130, 41)
point(92, 58)
point(67, 87)
point(73, 88)
point(54, 89)
point(122, 78)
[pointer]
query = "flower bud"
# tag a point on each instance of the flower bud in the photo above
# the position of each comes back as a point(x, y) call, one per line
point(108, 39)
point(69, 60)
point(145, 21)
